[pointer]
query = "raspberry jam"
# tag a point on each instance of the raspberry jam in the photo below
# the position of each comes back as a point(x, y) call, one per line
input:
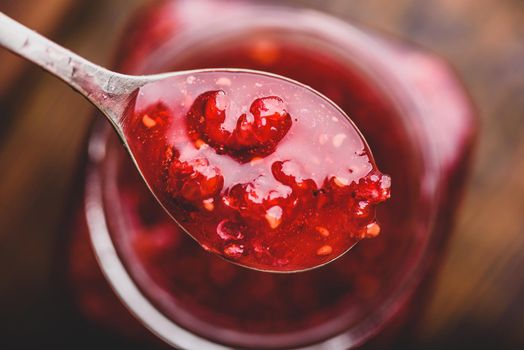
point(259, 170)
point(406, 103)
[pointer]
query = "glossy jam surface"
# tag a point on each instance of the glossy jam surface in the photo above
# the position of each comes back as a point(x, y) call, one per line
point(264, 172)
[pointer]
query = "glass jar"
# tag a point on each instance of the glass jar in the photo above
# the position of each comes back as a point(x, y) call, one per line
point(417, 120)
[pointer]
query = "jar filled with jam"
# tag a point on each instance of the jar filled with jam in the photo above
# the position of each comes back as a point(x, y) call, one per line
point(134, 272)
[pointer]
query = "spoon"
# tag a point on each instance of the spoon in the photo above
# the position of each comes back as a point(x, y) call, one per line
point(257, 168)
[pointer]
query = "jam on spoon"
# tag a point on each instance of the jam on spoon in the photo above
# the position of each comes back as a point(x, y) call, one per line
point(259, 169)
point(256, 168)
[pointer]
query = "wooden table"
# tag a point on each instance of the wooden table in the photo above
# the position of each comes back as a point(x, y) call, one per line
point(477, 301)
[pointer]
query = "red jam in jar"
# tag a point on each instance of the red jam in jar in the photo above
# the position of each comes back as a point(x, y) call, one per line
point(407, 104)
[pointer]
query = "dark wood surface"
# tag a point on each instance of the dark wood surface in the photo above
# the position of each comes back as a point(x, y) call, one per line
point(479, 297)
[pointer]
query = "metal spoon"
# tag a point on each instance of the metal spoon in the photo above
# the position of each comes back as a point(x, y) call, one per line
point(112, 93)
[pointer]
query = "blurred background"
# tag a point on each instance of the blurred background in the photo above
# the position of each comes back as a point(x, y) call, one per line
point(479, 295)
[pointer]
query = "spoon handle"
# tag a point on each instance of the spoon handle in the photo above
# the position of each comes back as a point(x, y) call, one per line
point(107, 90)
